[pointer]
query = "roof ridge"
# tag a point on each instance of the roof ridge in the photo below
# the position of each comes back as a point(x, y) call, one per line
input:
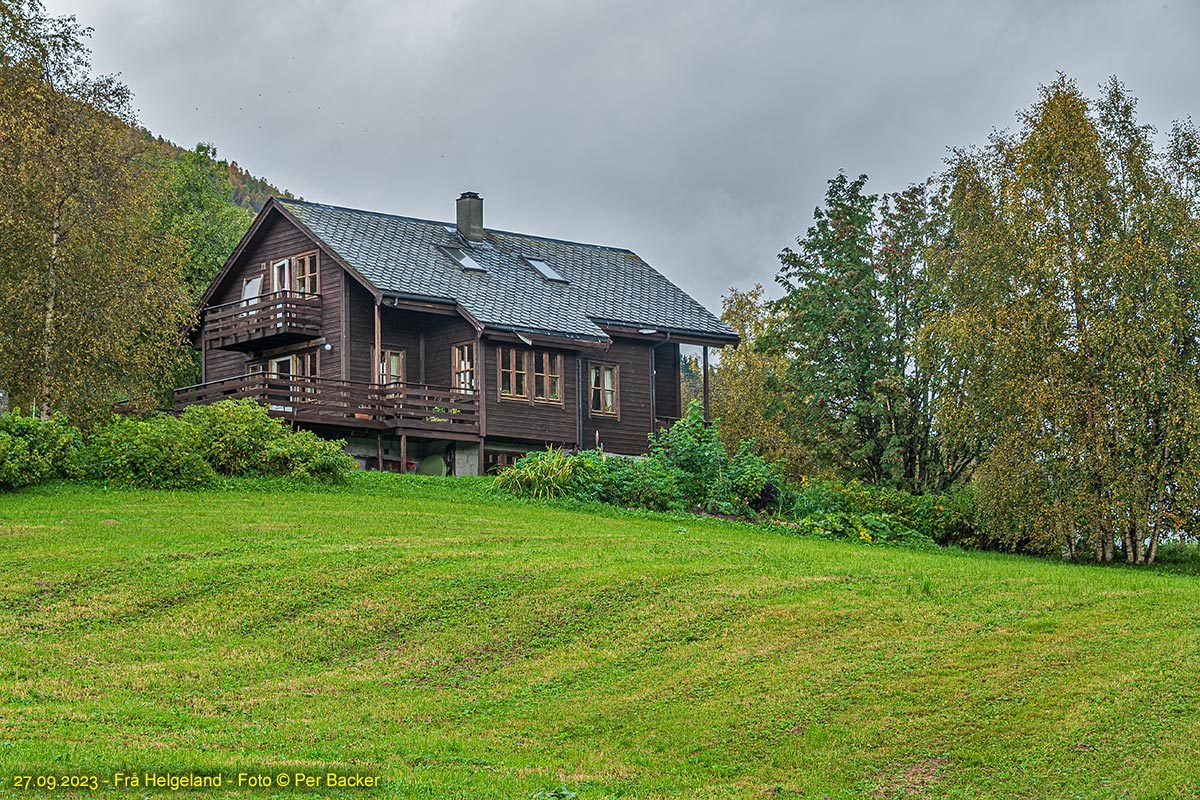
point(443, 223)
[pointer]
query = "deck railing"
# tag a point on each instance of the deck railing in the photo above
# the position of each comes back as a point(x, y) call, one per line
point(278, 314)
point(322, 401)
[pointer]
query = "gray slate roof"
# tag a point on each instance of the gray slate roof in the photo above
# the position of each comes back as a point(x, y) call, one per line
point(399, 255)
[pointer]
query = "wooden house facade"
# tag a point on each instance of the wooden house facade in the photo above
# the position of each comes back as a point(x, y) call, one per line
point(414, 339)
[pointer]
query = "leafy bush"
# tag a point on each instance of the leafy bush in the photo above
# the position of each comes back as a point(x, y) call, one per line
point(303, 454)
point(551, 473)
point(748, 483)
point(946, 518)
point(867, 528)
point(235, 435)
point(694, 450)
point(33, 450)
point(239, 438)
point(640, 483)
point(159, 452)
point(20, 465)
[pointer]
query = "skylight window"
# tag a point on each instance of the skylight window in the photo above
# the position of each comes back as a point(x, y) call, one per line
point(463, 259)
point(545, 270)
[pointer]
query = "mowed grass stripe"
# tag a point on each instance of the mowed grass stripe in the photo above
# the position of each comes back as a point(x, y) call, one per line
point(470, 646)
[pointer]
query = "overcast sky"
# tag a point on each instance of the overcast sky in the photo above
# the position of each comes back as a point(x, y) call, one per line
point(699, 134)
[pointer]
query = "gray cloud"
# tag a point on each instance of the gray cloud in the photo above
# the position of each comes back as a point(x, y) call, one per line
point(699, 134)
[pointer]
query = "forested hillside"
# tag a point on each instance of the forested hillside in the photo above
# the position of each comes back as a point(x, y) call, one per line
point(249, 192)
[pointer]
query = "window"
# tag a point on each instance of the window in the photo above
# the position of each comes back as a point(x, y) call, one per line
point(304, 273)
point(302, 365)
point(391, 366)
point(281, 275)
point(547, 377)
point(514, 373)
point(604, 389)
point(251, 289)
point(545, 270)
point(464, 367)
point(463, 259)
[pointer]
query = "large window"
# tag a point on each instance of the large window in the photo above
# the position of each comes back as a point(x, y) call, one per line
point(464, 367)
point(547, 377)
point(302, 365)
point(298, 273)
point(304, 277)
point(605, 385)
point(514, 373)
point(281, 275)
point(391, 366)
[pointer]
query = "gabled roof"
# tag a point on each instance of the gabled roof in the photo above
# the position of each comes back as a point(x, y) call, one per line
point(400, 256)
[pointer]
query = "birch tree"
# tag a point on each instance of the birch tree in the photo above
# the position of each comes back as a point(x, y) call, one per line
point(92, 307)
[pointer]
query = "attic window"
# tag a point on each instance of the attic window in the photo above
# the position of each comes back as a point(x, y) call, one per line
point(463, 259)
point(545, 270)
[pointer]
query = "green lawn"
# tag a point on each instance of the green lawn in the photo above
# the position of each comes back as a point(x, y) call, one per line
point(462, 645)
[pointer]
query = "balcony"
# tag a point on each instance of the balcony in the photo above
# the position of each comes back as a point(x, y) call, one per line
point(270, 320)
point(408, 408)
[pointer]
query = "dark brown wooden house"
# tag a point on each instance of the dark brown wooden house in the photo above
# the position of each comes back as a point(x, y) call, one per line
point(411, 338)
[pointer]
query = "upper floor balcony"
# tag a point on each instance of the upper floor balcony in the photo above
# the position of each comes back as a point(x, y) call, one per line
point(269, 320)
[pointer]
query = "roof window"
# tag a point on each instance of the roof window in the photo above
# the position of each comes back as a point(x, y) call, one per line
point(545, 270)
point(463, 259)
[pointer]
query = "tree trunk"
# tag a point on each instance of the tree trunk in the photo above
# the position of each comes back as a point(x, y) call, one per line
point(48, 321)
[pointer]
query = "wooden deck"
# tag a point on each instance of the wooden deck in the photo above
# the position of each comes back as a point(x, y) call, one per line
point(413, 409)
point(277, 318)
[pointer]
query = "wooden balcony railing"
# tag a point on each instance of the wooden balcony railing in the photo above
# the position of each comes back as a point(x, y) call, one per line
point(277, 318)
point(321, 401)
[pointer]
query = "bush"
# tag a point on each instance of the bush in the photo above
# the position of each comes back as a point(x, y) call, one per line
point(551, 473)
point(693, 449)
point(303, 454)
point(235, 436)
point(640, 483)
point(159, 452)
point(20, 465)
point(33, 450)
point(239, 438)
point(866, 528)
point(946, 518)
point(747, 484)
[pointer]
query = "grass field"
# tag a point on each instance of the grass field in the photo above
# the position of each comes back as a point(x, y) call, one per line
point(462, 645)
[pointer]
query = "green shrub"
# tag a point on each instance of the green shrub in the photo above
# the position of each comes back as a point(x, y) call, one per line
point(159, 452)
point(303, 454)
point(239, 438)
point(693, 449)
point(946, 518)
point(235, 436)
point(747, 484)
point(20, 465)
point(640, 483)
point(49, 448)
point(866, 528)
point(551, 473)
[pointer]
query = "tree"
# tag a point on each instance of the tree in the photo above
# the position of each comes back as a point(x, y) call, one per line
point(197, 209)
point(1070, 290)
point(858, 386)
point(744, 396)
point(90, 292)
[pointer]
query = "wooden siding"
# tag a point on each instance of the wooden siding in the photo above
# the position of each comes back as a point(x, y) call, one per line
point(361, 309)
point(528, 420)
point(440, 339)
point(666, 381)
point(626, 433)
point(278, 239)
point(401, 330)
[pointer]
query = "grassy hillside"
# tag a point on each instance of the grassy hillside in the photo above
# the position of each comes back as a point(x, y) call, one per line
point(466, 646)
